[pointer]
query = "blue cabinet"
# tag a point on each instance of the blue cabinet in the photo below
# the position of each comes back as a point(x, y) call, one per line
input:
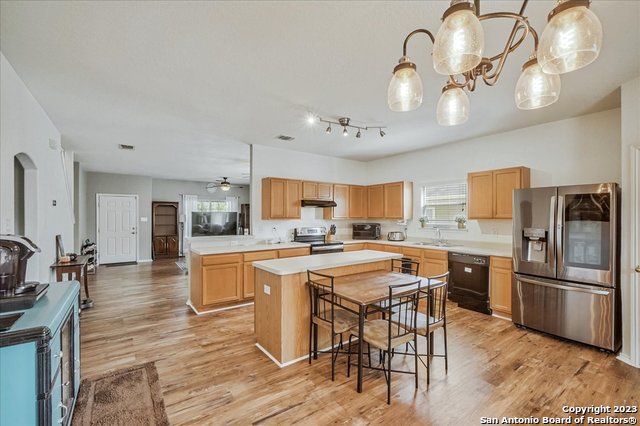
point(40, 360)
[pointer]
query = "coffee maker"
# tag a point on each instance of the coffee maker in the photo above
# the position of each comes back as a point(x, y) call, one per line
point(15, 291)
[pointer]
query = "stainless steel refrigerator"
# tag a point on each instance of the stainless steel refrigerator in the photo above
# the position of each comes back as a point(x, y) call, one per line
point(566, 255)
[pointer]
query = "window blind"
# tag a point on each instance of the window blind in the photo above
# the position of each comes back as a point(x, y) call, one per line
point(443, 202)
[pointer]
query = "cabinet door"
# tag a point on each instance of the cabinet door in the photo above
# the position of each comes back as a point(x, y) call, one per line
point(504, 182)
point(221, 283)
point(293, 196)
point(325, 191)
point(304, 251)
point(159, 246)
point(354, 247)
point(357, 205)
point(375, 201)
point(480, 195)
point(309, 190)
point(172, 245)
point(249, 280)
point(341, 197)
point(431, 267)
point(277, 195)
point(500, 281)
point(394, 200)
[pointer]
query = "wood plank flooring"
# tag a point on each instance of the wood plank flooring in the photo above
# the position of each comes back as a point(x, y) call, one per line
point(211, 372)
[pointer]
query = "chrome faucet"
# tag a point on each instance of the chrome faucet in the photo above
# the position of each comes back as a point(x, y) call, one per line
point(438, 236)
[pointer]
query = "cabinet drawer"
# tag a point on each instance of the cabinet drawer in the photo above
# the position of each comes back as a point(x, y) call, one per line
point(260, 255)
point(501, 262)
point(354, 247)
point(375, 246)
point(393, 249)
point(414, 252)
point(304, 251)
point(221, 259)
point(55, 347)
point(435, 254)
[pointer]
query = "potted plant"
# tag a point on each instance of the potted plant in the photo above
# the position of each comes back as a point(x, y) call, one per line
point(423, 221)
point(461, 220)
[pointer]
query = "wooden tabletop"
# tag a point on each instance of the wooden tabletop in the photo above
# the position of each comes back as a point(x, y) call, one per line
point(78, 261)
point(371, 287)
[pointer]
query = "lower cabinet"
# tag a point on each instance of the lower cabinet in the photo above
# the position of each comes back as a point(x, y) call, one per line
point(434, 262)
point(500, 285)
point(40, 361)
point(249, 270)
point(165, 246)
point(354, 247)
point(222, 283)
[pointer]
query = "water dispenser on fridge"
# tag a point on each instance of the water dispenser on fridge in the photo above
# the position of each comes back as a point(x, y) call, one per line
point(534, 245)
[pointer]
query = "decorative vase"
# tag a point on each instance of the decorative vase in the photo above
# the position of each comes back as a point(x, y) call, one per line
point(461, 225)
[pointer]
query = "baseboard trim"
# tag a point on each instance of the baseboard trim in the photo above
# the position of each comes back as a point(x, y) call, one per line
point(226, 308)
point(145, 260)
point(627, 360)
point(293, 361)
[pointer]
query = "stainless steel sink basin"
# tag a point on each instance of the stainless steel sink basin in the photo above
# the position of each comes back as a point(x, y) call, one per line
point(435, 244)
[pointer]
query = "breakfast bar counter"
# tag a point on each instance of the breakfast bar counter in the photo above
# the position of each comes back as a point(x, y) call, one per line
point(282, 298)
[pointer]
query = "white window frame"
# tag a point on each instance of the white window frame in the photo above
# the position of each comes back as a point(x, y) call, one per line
point(441, 224)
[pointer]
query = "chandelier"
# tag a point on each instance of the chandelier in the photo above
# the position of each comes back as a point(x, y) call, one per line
point(570, 41)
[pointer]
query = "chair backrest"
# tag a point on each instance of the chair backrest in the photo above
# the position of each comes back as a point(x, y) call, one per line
point(402, 309)
point(405, 265)
point(321, 296)
point(437, 288)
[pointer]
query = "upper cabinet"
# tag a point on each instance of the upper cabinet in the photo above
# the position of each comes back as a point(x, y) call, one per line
point(398, 198)
point(317, 191)
point(281, 198)
point(491, 192)
point(357, 202)
point(375, 201)
point(341, 197)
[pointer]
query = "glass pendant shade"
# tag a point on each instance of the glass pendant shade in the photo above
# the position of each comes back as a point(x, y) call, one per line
point(453, 107)
point(570, 41)
point(405, 90)
point(458, 44)
point(535, 88)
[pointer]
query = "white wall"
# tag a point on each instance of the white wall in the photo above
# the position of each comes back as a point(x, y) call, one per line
point(630, 125)
point(274, 162)
point(170, 190)
point(584, 149)
point(25, 127)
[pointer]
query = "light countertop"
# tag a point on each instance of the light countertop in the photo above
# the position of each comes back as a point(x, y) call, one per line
point(295, 265)
point(458, 246)
point(206, 248)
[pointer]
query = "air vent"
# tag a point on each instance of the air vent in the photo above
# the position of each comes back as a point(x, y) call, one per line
point(127, 147)
point(285, 138)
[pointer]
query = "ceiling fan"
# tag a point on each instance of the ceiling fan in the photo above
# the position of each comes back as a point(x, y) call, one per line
point(223, 184)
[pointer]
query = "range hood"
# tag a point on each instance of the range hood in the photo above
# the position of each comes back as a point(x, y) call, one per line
point(318, 203)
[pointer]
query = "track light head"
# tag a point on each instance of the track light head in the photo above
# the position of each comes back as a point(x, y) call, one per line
point(382, 133)
point(358, 134)
point(345, 132)
point(328, 129)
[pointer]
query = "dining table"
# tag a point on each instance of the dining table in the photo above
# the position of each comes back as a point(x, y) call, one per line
point(368, 288)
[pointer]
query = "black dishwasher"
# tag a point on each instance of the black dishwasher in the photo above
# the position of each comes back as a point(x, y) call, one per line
point(469, 286)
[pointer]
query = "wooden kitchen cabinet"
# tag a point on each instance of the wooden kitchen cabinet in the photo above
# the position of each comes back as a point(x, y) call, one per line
point(317, 191)
point(490, 193)
point(281, 198)
point(500, 285)
point(398, 200)
point(222, 283)
point(357, 202)
point(434, 262)
point(341, 198)
point(375, 201)
point(354, 247)
point(303, 251)
point(249, 270)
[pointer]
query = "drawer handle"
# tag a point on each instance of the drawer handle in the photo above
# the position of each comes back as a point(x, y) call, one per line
point(60, 355)
point(65, 412)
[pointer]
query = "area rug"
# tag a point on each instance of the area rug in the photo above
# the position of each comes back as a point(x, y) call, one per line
point(130, 396)
point(182, 265)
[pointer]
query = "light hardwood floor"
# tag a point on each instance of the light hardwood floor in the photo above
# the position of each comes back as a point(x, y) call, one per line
point(211, 372)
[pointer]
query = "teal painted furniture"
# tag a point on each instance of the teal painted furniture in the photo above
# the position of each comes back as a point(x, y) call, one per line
point(40, 361)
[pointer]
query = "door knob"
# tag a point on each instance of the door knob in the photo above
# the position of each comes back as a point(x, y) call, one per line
point(638, 268)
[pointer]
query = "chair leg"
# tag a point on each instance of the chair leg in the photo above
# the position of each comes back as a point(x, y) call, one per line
point(310, 340)
point(415, 358)
point(446, 356)
point(315, 341)
point(389, 382)
point(428, 358)
point(369, 353)
point(349, 358)
point(333, 359)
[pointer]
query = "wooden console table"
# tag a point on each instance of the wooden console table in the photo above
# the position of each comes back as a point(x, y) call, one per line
point(77, 268)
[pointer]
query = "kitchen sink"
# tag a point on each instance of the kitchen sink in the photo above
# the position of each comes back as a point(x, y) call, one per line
point(436, 244)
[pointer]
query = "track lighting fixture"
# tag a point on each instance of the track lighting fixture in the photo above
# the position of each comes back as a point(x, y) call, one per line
point(570, 41)
point(345, 123)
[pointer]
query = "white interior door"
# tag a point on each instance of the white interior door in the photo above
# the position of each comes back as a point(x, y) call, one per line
point(117, 228)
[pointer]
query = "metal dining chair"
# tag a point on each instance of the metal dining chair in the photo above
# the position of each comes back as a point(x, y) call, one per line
point(325, 312)
point(387, 334)
point(404, 265)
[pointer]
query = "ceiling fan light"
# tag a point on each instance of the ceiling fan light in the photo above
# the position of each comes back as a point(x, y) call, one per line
point(405, 88)
point(225, 186)
point(459, 42)
point(572, 38)
point(453, 107)
point(535, 88)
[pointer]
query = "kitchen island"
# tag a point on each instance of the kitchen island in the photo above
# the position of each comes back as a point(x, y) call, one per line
point(282, 298)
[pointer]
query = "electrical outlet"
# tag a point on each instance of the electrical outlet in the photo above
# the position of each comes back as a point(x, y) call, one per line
point(267, 289)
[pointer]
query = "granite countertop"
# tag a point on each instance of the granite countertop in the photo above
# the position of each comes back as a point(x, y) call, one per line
point(206, 248)
point(296, 265)
point(468, 247)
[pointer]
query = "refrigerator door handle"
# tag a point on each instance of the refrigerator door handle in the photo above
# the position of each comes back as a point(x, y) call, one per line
point(551, 246)
point(559, 243)
point(564, 287)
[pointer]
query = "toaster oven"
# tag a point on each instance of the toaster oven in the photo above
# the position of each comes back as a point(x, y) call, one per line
point(366, 231)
